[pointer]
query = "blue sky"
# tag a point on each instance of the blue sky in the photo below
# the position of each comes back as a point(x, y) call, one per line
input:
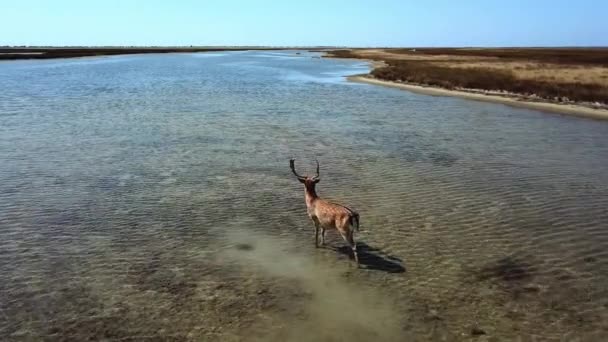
point(305, 22)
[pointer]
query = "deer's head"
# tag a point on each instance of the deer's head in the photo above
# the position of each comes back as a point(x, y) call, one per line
point(309, 182)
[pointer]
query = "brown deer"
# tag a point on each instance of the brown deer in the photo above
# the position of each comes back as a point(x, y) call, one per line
point(327, 215)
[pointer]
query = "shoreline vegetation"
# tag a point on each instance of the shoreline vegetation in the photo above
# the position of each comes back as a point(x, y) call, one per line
point(564, 80)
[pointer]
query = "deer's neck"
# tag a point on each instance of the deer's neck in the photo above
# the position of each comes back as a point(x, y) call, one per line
point(310, 195)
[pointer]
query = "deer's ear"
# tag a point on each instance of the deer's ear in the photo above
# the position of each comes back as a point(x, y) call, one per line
point(317, 180)
point(301, 180)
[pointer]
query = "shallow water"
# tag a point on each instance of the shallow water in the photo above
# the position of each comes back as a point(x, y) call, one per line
point(149, 197)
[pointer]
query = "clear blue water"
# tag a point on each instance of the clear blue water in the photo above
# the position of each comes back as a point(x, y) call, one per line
point(149, 197)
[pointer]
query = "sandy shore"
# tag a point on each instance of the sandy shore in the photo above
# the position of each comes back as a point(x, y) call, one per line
point(570, 109)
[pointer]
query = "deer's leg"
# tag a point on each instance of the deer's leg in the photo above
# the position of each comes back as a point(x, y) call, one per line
point(348, 237)
point(316, 222)
point(322, 236)
point(353, 244)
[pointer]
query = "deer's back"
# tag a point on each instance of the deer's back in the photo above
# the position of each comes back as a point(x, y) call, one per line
point(332, 215)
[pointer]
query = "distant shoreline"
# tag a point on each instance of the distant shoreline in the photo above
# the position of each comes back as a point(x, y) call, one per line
point(12, 53)
point(560, 80)
point(576, 109)
point(571, 109)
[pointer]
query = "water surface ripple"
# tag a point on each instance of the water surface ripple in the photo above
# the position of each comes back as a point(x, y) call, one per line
point(149, 198)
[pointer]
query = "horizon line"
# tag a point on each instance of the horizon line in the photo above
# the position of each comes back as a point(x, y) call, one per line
point(308, 46)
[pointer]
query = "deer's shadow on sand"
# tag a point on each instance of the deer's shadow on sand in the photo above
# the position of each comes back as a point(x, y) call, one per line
point(374, 258)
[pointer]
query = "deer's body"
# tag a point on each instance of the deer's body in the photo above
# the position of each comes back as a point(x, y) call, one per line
point(327, 215)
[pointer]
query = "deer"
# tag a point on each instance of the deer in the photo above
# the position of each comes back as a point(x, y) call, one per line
point(327, 215)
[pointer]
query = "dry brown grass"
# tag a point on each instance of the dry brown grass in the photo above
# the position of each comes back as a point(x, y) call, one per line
point(575, 74)
point(540, 71)
point(578, 56)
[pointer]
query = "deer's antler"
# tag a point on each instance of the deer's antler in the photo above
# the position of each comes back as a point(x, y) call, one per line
point(293, 168)
point(317, 176)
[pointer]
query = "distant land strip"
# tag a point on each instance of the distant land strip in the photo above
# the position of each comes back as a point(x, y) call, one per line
point(573, 80)
point(15, 53)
